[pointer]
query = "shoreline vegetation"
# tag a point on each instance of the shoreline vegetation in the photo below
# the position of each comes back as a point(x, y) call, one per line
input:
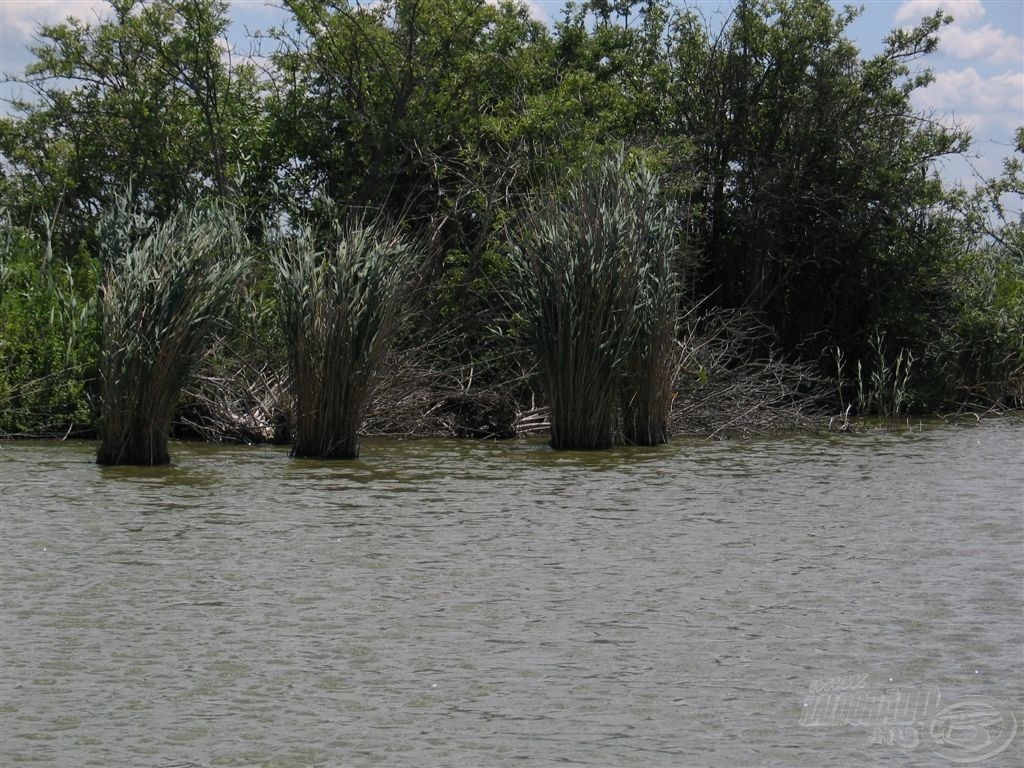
point(416, 396)
point(444, 218)
point(443, 424)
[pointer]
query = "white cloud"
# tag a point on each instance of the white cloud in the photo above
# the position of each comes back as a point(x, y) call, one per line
point(23, 16)
point(540, 10)
point(986, 104)
point(987, 44)
point(912, 11)
point(19, 23)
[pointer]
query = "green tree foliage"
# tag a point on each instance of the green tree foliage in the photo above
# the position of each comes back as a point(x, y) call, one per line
point(410, 107)
point(813, 166)
point(148, 97)
point(983, 342)
point(379, 103)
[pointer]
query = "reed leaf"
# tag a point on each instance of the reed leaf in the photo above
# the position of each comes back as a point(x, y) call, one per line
point(595, 281)
point(649, 370)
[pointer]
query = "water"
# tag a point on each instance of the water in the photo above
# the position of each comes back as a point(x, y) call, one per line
point(491, 604)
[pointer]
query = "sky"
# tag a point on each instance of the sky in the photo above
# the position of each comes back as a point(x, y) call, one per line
point(979, 67)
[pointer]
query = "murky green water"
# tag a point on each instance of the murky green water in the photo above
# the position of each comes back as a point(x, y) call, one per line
point(475, 604)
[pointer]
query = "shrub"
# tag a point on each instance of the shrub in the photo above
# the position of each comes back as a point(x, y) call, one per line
point(984, 348)
point(48, 336)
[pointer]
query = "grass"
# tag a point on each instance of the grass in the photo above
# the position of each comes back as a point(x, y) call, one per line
point(163, 287)
point(341, 295)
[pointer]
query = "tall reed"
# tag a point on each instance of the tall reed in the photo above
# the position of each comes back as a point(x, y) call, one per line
point(890, 382)
point(598, 290)
point(164, 285)
point(649, 369)
point(340, 304)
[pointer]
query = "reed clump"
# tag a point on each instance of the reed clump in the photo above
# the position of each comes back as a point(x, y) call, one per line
point(164, 285)
point(340, 294)
point(599, 293)
point(649, 370)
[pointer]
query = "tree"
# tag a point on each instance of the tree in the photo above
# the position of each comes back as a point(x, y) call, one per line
point(412, 107)
point(814, 169)
point(148, 99)
point(981, 357)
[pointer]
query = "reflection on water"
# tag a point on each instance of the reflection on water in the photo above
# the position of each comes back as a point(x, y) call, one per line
point(465, 603)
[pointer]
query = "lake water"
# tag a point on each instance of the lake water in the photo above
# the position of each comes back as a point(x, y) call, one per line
point(490, 604)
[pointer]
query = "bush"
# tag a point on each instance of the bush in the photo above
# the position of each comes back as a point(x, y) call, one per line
point(984, 350)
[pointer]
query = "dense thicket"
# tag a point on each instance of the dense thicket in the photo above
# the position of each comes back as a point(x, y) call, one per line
point(805, 180)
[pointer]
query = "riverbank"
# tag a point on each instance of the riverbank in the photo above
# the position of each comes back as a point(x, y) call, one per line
point(487, 415)
point(726, 386)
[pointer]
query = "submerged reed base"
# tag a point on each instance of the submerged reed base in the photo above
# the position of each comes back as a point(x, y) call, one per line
point(325, 435)
point(645, 422)
point(579, 425)
point(143, 443)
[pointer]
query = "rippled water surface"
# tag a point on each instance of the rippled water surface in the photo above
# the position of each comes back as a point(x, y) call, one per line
point(479, 604)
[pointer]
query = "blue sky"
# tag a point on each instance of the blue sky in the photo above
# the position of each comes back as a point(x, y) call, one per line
point(979, 67)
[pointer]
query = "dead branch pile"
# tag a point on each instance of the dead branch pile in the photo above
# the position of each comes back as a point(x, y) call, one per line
point(724, 386)
point(727, 385)
point(230, 398)
point(420, 393)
